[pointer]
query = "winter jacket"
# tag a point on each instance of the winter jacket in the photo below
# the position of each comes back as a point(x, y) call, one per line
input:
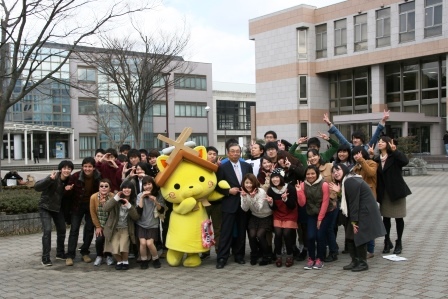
point(52, 192)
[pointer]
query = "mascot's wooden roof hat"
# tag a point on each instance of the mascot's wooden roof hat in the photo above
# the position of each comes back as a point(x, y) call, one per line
point(181, 152)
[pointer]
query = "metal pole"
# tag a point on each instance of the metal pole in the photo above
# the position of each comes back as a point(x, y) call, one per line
point(166, 107)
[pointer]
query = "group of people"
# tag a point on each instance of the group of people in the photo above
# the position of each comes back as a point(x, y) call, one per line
point(278, 196)
point(119, 201)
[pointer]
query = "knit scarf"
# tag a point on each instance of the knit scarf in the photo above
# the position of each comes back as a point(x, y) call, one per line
point(383, 159)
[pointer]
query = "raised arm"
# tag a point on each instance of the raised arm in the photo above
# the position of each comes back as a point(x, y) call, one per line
point(379, 128)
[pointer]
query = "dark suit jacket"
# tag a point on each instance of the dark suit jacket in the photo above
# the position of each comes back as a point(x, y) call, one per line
point(230, 203)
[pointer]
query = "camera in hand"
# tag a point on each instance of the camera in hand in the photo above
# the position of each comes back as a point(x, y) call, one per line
point(122, 201)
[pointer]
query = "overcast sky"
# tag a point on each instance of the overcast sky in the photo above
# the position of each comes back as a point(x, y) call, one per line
point(220, 31)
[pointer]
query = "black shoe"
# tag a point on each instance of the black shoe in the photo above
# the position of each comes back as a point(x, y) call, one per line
point(61, 256)
point(264, 262)
point(205, 255)
point(353, 264)
point(253, 261)
point(302, 256)
point(398, 247)
point(156, 263)
point(362, 266)
point(144, 264)
point(46, 261)
point(220, 264)
point(331, 258)
point(125, 267)
point(387, 246)
point(119, 266)
point(240, 261)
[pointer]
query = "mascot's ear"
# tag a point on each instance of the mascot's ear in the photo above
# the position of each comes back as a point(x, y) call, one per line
point(202, 152)
point(161, 162)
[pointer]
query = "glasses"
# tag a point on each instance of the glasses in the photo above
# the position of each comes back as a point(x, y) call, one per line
point(104, 186)
point(234, 152)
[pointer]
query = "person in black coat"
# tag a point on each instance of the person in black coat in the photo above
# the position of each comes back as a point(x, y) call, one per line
point(391, 190)
point(232, 215)
point(50, 207)
point(358, 204)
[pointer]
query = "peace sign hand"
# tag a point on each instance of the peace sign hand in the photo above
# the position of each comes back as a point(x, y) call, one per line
point(323, 136)
point(298, 186)
point(393, 147)
point(370, 150)
point(53, 174)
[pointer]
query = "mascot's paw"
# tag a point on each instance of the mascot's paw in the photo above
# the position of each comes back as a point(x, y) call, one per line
point(174, 258)
point(223, 184)
point(192, 260)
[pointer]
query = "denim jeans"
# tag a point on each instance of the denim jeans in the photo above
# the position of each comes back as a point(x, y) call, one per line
point(82, 212)
point(446, 149)
point(331, 236)
point(59, 223)
point(371, 246)
point(319, 235)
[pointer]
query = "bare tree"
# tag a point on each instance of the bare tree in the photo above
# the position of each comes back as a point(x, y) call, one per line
point(111, 123)
point(136, 69)
point(28, 26)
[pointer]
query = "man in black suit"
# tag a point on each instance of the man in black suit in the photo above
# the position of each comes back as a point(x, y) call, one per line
point(233, 172)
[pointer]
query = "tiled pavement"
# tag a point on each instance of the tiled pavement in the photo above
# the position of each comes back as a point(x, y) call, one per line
point(424, 275)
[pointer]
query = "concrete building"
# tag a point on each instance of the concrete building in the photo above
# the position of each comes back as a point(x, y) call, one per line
point(354, 59)
point(57, 119)
point(232, 118)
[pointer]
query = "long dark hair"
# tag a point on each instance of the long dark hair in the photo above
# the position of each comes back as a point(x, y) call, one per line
point(130, 185)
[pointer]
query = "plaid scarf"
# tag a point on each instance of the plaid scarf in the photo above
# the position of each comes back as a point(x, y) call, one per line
point(102, 215)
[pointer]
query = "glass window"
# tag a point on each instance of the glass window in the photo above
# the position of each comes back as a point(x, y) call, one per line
point(233, 115)
point(159, 110)
point(303, 129)
point(433, 17)
point(302, 88)
point(86, 74)
point(345, 88)
point(87, 146)
point(189, 109)
point(361, 32)
point(383, 27)
point(321, 41)
point(86, 106)
point(301, 44)
point(407, 21)
point(185, 81)
point(340, 37)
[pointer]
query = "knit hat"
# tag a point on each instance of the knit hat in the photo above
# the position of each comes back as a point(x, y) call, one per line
point(278, 172)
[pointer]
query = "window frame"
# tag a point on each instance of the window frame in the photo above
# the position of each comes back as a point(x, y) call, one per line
point(340, 37)
point(382, 21)
point(321, 52)
point(360, 42)
point(301, 55)
point(406, 35)
point(435, 6)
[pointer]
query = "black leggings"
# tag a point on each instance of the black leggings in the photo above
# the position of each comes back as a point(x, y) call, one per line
point(287, 235)
point(399, 222)
point(257, 239)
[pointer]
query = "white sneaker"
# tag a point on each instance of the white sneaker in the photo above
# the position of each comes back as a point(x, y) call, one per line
point(98, 261)
point(110, 260)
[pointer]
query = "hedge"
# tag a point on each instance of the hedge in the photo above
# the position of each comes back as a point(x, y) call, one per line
point(19, 201)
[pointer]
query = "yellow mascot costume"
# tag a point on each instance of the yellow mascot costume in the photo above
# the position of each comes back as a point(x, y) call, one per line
point(187, 180)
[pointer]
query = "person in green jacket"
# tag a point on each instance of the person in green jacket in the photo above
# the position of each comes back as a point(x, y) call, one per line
point(314, 142)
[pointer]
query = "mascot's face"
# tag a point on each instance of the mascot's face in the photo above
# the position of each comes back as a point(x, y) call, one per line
point(188, 180)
